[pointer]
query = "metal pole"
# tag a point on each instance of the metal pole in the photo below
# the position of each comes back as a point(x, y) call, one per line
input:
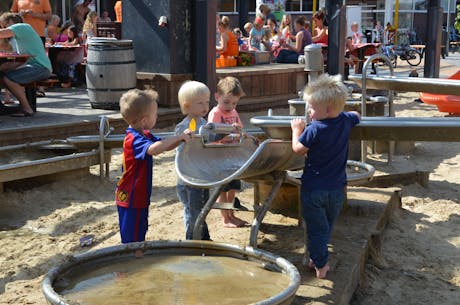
point(204, 42)
point(336, 39)
point(447, 27)
point(364, 101)
point(243, 13)
point(433, 39)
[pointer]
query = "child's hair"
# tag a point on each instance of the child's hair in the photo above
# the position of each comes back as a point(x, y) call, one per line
point(65, 26)
point(248, 27)
point(354, 24)
point(189, 91)
point(327, 90)
point(237, 31)
point(135, 103)
point(75, 32)
point(230, 85)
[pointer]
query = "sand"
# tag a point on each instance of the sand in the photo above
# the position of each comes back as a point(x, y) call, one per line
point(40, 226)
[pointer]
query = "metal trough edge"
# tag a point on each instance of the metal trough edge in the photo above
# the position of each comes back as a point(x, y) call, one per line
point(17, 171)
point(415, 84)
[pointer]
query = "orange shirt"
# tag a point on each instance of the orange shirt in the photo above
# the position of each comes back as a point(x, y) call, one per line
point(117, 9)
point(36, 6)
point(232, 45)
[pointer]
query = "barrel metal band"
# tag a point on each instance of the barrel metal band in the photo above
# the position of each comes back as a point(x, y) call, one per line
point(104, 48)
point(110, 89)
point(101, 63)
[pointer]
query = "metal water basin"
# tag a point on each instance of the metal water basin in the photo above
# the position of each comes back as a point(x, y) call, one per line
point(208, 167)
point(172, 270)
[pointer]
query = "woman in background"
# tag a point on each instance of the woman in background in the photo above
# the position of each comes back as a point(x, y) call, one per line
point(89, 27)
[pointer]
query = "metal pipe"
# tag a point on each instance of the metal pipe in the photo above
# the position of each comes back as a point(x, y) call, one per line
point(104, 122)
point(198, 226)
point(364, 98)
point(279, 176)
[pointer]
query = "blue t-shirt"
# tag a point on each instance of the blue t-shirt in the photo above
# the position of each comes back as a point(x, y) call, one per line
point(256, 37)
point(28, 42)
point(327, 141)
point(135, 185)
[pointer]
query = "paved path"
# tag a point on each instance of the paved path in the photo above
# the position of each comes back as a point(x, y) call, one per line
point(64, 108)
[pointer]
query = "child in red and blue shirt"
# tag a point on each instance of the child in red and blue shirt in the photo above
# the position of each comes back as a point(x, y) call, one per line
point(139, 110)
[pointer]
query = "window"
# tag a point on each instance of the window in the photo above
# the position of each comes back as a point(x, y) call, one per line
point(230, 6)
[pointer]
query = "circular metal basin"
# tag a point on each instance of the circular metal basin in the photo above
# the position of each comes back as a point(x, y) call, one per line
point(173, 272)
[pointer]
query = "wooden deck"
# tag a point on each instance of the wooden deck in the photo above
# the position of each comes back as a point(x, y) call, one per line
point(268, 85)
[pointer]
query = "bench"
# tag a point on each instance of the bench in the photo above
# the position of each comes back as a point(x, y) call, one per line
point(31, 90)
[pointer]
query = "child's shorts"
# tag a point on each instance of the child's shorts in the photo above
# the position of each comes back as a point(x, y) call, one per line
point(233, 185)
point(133, 224)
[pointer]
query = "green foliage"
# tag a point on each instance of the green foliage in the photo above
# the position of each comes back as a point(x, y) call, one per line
point(457, 19)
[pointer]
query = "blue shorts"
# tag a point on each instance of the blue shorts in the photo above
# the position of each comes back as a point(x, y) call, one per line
point(27, 74)
point(133, 224)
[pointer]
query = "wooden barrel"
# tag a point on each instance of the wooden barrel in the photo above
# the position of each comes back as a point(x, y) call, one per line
point(110, 71)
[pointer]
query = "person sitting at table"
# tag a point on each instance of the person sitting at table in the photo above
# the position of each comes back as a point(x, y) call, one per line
point(290, 54)
point(350, 59)
point(52, 29)
point(6, 47)
point(228, 45)
point(90, 27)
point(357, 36)
point(62, 35)
point(36, 68)
point(67, 60)
point(320, 33)
point(285, 28)
point(105, 17)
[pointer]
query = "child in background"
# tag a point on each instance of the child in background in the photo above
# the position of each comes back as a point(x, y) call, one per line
point(68, 60)
point(62, 35)
point(194, 103)
point(357, 37)
point(238, 35)
point(256, 35)
point(229, 92)
point(247, 28)
point(140, 110)
point(324, 179)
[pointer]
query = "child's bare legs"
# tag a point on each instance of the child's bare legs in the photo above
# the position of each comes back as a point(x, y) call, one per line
point(229, 218)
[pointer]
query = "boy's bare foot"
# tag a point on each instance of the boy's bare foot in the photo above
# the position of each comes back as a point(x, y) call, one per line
point(311, 264)
point(321, 272)
point(230, 223)
point(238, 221)
point(138, 254)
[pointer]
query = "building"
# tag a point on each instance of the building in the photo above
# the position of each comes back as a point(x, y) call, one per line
point(411, 13)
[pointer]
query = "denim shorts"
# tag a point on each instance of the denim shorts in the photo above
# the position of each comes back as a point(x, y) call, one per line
point(27, 74)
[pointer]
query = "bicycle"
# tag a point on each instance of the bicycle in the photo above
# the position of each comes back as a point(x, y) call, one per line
point(413, 56)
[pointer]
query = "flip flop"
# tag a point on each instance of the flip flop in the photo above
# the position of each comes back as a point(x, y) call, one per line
point(22, 114)
point(40, 93)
